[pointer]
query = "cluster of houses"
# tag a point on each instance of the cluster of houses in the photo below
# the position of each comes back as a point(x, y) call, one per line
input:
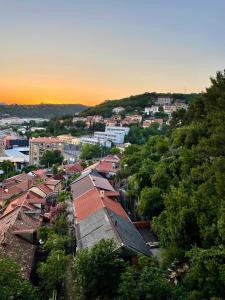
point(27, 201)
point(98, 213)
point(163, 104)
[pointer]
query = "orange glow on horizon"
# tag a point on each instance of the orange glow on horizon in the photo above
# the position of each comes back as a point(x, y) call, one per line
point(67, 91)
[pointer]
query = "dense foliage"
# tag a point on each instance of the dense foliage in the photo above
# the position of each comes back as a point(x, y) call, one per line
point(97, 271)
point(177, 181)
point(41, 110)
point(131, 104)
point(50, 158)
point(12, 285)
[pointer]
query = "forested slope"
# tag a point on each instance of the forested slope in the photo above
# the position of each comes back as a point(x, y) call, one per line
point(41, 111)
point(177, 181)
point(131, 104)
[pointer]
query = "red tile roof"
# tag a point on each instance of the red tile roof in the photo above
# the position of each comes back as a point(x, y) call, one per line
point(44, 188)
point(40, 172)
point(46, 140)
point(26, 199)
point(73, 168)
point(104, 167)
point(94, 200)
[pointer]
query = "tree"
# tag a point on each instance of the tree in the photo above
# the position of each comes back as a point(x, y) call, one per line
point(29, 168)
point(151, 202)
point(90, 151)
point(12, 285)
point(8, 169)
point(205, 278)
point(146, 282)
point(50, 158)
point(52, 272)
point(97, 271)
point(115, 150)
point(62, 196)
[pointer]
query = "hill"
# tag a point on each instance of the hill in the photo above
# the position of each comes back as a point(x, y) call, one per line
point(41, 110)
point(132, 103)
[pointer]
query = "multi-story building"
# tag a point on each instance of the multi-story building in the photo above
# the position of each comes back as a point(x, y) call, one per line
point(153, 109)
point(39, 145)
point(117, 129)
point(164, 100)
point(115, 137)
point(148, 123)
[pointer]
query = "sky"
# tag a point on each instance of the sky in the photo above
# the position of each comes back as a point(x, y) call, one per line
point(78, 51)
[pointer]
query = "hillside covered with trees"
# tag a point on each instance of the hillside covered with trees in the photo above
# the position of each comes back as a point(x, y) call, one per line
point(41, 110)
point(132, 104)
point(177, 182)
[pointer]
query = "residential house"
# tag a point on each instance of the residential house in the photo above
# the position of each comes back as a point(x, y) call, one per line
point(118, 110)
point(18, 237)
point(147, 123)
point(99, 216)
point(151, 110)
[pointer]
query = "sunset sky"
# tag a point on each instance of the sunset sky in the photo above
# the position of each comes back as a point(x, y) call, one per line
point(77, 51)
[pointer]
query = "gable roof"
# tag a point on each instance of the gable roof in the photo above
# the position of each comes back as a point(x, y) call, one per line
point(17, 236)
point(88, 180)
point(27, 199)
point(99, 217)
point(73, 168)
point(93, 200)
point(104, 167)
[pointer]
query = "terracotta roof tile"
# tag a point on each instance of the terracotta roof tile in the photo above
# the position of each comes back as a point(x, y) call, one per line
point(93, 200)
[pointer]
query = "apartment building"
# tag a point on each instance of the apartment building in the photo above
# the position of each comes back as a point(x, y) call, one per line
point(153, 109)
point(115, 137)
point(117, 129)
point(39, 145)
point(164, 100)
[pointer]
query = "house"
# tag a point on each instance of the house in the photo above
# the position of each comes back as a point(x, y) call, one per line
point(87, 181)
point(151, 110)
point(72, 169)
point(39, 174)
point(32, 203)
point(148, 123)
point(104, 167)
point(131, 119)
point(18, 237)
point(98, 216)
point(117, 110)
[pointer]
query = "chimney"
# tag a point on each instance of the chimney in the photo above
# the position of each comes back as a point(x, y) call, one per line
point(28, 195)
point(102, 194)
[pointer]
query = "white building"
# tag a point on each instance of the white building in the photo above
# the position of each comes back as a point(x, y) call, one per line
point(115, 137)
point(117, 129)
point(118, 109)
point(95, 141)
point(153, 109)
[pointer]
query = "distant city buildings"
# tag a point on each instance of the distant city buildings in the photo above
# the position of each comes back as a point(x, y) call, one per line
point(164, 100)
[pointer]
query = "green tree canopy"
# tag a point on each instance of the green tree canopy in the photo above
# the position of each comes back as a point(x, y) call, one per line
point(50, 158)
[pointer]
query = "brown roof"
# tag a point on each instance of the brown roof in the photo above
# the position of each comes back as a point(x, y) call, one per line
point(87, 181)
point(44, 188)
point(27, 199)
point(46, 140)
point(15, 242)
point(73, 168)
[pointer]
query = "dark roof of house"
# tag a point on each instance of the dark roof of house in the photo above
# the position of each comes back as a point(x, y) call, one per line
point(106, 224)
